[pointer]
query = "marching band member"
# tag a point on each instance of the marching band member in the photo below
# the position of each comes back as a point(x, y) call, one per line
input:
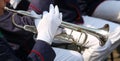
point(105, 9)
point(112, 13)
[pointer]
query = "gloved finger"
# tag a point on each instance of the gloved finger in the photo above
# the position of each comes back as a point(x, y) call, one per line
point(59, 21)
point(51, 9)
point(56, 11)
point(32, 12)
point(59, 31)
point(61, 16)
point(45, 12)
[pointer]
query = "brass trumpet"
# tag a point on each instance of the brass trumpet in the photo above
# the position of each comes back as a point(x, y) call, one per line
point(100, 33)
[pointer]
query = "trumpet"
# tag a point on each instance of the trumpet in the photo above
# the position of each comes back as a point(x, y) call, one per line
point(100, 33)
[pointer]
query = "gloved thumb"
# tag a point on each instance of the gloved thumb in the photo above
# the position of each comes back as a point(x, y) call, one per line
point(59, 31)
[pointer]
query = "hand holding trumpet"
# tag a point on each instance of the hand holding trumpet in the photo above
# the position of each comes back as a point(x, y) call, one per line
point(50, 21)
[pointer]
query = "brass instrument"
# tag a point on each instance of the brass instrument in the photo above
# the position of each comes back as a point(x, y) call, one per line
point(101, 33)
point(26, 13)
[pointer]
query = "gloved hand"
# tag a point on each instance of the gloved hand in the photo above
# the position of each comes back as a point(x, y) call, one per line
point(37, 19)
point(83, 40)
point(49, 24)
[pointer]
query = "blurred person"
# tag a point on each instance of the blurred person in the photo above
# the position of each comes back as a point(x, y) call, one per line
point(105, 9)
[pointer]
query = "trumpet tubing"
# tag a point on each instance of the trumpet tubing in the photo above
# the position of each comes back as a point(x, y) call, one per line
point(26, 13)
point(100, 33)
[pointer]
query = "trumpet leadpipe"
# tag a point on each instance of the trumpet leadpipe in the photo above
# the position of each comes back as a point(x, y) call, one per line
point(26, 13)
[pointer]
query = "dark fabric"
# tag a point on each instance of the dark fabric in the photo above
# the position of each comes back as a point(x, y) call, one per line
point(1, 35)
point(23, 5)
point(91, 5)
point(69, 8)
point(16, 35)
point(43, 50)
point(40, 5)
point(6, 52)
point(23, 38)
point(41, 47)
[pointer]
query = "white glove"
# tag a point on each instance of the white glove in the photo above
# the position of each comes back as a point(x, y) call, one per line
point(49, 24)
point(14, 3)
point(37, 17)
point(77, 36)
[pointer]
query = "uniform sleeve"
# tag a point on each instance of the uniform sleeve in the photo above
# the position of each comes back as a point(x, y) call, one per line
point(40, 52)
point(6, 52)
point(40, 5)
point(13, 34)
point(6, 22)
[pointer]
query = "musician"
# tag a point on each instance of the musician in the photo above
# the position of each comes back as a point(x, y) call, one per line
point(105, 9)
point(25, 40)
point(41, 51)
point(112, 13)
point(94, 51)
point(14, 34)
